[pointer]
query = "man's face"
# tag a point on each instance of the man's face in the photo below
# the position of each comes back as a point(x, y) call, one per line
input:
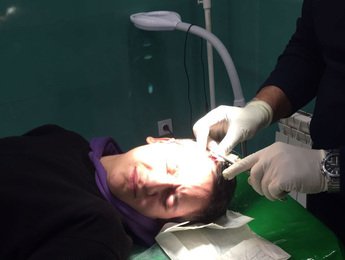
point(164, 179)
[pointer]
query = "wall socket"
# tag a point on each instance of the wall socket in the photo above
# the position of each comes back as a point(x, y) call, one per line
point(161, 124)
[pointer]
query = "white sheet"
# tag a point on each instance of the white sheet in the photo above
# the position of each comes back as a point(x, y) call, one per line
point(228, 238)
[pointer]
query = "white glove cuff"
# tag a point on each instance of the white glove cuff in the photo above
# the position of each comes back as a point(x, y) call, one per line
point(266, 110)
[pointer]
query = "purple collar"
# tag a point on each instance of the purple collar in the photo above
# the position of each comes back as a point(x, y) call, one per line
point(143, 227)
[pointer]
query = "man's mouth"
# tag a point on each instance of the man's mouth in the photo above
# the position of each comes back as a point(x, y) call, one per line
point(134, 182)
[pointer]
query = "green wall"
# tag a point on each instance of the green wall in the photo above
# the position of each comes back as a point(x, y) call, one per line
point(82, 64)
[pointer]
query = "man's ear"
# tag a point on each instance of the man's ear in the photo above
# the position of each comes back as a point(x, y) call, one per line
point(152, 140)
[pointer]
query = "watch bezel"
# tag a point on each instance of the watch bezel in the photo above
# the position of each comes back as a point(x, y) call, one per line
point(329, 158)
point(332, 157)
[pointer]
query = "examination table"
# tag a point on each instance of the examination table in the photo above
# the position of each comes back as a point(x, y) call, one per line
point(285, 223)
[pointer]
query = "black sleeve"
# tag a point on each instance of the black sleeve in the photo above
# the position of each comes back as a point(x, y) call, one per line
point(44, 130)
point(342, 169)
point(47, 172)
point(55, 136)
point(74, 248)
point(299, 67)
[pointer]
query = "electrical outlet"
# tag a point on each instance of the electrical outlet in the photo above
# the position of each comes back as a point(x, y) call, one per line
point(162, 125)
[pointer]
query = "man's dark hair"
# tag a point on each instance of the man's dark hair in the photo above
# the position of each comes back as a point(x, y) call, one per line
point(221, 196)
point(223, 191)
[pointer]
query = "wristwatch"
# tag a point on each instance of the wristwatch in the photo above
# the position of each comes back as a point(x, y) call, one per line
point(330, 167)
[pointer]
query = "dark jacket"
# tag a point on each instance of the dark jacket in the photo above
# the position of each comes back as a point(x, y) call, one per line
point(50, 204)
point(313, 66)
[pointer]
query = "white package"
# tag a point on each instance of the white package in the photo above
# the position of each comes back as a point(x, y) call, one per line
point(228, 238)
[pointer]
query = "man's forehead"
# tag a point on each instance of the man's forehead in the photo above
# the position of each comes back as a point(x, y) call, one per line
point(189, 146)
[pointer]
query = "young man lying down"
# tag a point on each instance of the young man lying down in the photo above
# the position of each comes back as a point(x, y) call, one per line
point(62, 195)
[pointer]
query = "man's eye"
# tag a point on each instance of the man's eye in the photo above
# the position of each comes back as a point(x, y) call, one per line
point(170, 199)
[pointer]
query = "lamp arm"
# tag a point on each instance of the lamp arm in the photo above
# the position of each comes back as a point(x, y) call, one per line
point(223, 53)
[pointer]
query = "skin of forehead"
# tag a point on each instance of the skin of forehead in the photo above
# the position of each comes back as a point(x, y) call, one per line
point(202, 191)
point(188, 144)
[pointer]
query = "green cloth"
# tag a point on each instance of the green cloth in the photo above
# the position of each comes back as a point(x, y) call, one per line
point(285, 223)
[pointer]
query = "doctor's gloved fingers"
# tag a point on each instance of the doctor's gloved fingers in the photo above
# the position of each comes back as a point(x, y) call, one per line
point(271, 189)
point(256, 178)
point(201, 136)
point(228, 143)
point(239, 166)
point(255, 187)
point(212, 145)
point(275, 191)
point(202, 127)
point(235, 134)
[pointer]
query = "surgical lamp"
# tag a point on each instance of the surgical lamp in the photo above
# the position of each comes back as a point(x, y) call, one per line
point(169, 21)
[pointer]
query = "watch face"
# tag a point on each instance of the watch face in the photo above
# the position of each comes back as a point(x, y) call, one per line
point(331, 165)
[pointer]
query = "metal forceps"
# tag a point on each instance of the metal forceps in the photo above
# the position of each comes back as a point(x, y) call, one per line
point(228, 161)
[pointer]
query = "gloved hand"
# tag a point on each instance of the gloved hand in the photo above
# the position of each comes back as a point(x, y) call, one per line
point(228, 125)
point(280, 168)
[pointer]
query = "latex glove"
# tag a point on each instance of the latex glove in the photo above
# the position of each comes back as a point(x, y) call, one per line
point(226, 126)
point(281, 168)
